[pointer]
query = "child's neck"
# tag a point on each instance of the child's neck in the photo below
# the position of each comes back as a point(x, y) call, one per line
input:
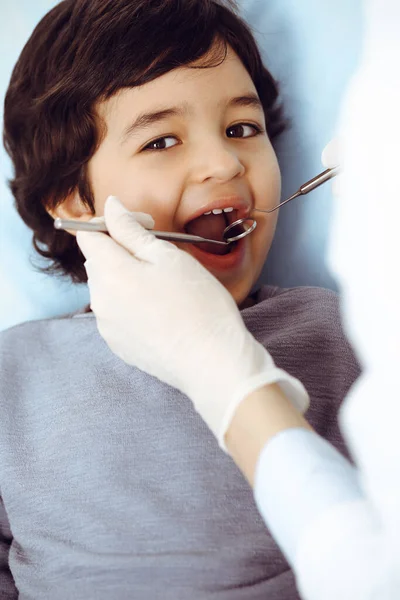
point(249, 301)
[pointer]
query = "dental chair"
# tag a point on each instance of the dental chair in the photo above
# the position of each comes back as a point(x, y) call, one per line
point(311, 47)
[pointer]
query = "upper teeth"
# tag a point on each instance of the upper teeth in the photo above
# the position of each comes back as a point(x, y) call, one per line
point(218, 211)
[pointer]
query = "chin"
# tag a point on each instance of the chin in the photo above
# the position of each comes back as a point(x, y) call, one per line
point(240, 293)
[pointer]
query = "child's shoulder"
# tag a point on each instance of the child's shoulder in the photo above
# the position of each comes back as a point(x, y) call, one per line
point(306, 313)
point(308, 302)
point(303, 329)
point(39, 333)
point(301, 295)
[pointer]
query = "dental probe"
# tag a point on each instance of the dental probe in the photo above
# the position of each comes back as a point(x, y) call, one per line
point(307, 187)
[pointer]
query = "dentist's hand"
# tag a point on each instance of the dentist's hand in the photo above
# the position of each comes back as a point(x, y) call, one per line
point(160, 310)
point(330, 158)
point(330, 154)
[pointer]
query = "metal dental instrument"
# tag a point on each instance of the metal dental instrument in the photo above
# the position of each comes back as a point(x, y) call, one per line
point(306, 188)
point(196, 239)
point(162, 235)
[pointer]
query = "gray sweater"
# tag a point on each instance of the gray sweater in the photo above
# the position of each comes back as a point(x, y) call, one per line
point(112, 487)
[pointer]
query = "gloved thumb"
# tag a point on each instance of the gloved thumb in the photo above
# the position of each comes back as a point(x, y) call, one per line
point(114, 210)
point(125, 229)
point(143, 218)
point(101, 245)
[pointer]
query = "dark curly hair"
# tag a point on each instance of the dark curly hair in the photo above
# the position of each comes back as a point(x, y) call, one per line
point(83, 52)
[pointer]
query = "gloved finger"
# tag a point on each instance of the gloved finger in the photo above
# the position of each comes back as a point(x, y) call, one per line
point(124, 228)
point(101, 249)
point(331, 158)
point(103, 285)
point(144, 219)
point(105, 261)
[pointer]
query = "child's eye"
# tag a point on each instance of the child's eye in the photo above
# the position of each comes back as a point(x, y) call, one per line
point(241, 128)
point(160, 143)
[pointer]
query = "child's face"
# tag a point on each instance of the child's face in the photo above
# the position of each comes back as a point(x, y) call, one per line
point(204, 160)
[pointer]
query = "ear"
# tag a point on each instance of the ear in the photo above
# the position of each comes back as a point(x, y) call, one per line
point(71, 208)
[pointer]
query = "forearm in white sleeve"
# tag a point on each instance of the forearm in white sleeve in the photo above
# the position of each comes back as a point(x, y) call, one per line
point(299, 477)
point(310, 498)
point(365, 255)
point(340, 547)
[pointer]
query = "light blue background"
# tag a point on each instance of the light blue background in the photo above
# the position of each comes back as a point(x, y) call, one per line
point(312, 47)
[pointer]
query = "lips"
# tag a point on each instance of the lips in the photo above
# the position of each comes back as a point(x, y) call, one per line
point(214, 256)
point(211, 227)
point(217, 263)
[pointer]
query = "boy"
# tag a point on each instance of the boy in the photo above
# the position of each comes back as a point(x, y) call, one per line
point(107, 476)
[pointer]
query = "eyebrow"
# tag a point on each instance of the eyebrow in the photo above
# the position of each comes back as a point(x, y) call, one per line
point(145, 120)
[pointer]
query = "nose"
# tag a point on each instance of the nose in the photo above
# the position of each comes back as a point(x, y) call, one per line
point(217, 162)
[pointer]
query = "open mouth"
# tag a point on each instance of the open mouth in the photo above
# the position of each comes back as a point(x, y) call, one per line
point(212, 226)
point(231, 260)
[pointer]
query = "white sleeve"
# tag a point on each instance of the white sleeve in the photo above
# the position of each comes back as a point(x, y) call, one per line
point(299, 477)
point(365, 257)
point(340, 528)
point(310, 498)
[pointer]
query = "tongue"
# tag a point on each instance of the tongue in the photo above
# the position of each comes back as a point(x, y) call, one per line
point(212, 227)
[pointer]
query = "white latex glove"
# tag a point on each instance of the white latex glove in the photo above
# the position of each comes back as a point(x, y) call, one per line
point(331, 158)
point(160, 310)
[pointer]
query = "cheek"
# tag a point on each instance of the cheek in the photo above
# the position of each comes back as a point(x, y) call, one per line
point(261, 244)
point(267, 193)
point(106, 178)
point(266, 226)
point(266, 181)
point(137, 188)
